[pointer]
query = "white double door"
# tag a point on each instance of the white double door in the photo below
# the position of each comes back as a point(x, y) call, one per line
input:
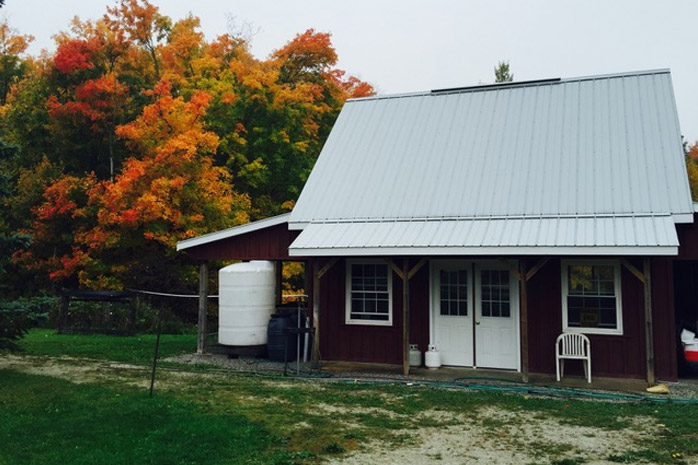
point(475, 314)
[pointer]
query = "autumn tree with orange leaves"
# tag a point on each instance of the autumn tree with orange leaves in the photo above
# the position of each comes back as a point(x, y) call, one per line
point(147, 133)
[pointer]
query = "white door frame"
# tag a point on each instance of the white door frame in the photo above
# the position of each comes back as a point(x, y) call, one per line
point(474, 265)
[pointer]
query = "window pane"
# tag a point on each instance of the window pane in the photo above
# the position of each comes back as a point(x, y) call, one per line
point(494, 293)
point(506, 312)
point(486, 293)
point(369, 292)
point(592, 312)
point(444, 278)
point(579, 277)
point(606, 288)
point(591, 300)
point(453, 292)
point(486, 311)
point(603, 272)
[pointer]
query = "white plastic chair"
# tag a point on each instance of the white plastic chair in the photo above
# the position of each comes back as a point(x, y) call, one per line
point(572, 346)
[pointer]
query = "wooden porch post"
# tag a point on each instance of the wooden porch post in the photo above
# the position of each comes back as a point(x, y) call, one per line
point(405, 317)
point(523, 282)
point(646, 279)
point(203, 308)
point(316, 313)
point(649, 337)
point(405, 274)
point(523, 276)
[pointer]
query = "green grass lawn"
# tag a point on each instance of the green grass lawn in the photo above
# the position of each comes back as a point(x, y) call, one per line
point(128, 349)
point(45, 420)
point(198, 416)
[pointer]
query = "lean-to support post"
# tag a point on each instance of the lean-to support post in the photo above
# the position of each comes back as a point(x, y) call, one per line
point(203, 308)
point(649, 336)
point(278, 284)
point(405, 317)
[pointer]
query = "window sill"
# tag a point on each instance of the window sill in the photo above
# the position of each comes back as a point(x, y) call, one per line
point(595, 331)
point(368, 323)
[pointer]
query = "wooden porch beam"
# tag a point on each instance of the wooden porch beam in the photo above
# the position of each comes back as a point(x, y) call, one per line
point(327, 267)
point(649, 336)
point(417, 267)
point(395, 268)
point(203, 308)
point(637, 273)
point(405, 318)
point(536, 268)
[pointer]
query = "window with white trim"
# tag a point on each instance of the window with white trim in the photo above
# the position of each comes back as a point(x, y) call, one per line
point(591, 300)
point(369, 300)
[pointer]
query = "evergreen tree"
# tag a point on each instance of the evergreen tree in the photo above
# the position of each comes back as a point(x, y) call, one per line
point(502, 73)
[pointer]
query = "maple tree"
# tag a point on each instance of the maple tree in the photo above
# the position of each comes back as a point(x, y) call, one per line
point(138, 132)
point(143, 24)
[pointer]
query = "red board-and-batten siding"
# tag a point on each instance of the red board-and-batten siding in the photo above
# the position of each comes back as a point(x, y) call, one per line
point(613, 355)
point(264, 244)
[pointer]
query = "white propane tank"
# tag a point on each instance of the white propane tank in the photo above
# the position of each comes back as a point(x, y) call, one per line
point(432, 358)
point(245, 303)
point(415, 356)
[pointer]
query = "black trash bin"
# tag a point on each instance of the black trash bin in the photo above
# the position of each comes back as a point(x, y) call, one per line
point(281, 344)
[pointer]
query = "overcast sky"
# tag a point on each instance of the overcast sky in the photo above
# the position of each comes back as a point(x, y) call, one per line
point(412, 45)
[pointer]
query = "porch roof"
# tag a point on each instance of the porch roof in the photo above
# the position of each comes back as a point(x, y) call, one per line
point(218, 236)
point(559, 235)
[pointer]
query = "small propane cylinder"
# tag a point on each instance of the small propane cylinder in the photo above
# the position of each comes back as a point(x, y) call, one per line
point(432, 358)
point(415, 356)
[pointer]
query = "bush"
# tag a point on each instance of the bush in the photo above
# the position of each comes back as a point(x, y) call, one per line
point(19, 316)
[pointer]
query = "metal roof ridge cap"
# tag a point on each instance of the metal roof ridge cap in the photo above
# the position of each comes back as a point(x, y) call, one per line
point(414, 219)
point(494, 86)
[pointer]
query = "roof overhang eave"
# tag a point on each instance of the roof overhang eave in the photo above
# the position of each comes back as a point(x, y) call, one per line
point(232, 232)
point(486, 251)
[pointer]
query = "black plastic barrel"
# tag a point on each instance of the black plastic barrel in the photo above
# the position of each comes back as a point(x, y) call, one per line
point(281, 343)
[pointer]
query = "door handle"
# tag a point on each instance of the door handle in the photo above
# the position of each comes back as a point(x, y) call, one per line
point(477, 322)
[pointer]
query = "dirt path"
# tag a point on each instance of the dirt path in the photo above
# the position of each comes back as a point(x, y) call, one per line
point(506, 438)
point(493, 435)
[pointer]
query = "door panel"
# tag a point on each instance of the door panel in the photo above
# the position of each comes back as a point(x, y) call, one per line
point(452, 305)
point(496, 318)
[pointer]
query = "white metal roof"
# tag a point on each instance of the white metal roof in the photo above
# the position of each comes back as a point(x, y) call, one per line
point(599, 145)
point(234, 231)
point(600, 235)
